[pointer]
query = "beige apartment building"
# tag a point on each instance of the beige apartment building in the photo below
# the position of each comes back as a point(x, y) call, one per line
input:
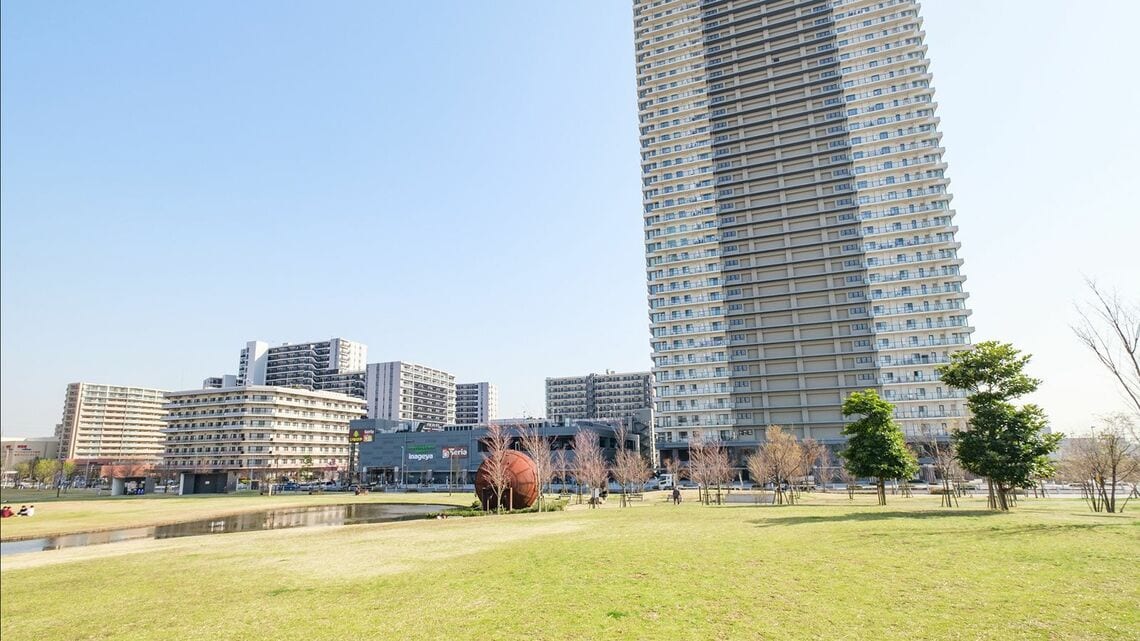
point(214, 437)
point(799, 237)
point(597, 396)
point(111, 424)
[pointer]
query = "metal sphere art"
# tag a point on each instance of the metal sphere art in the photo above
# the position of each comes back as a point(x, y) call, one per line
point(522, 483)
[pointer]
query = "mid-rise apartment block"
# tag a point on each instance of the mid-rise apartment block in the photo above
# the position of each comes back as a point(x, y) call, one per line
point(799, 238)
point(476, 403)
point(111, 424)
point(598, 396)
point(398, 390)
point(335, 365)
point(215, 437)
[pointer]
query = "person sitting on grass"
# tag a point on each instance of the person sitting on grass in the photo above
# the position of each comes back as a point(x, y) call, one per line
point(6, 512)
point(23, 511)
point(31, 510)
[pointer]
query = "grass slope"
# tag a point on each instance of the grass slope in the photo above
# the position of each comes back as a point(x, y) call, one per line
point(823, 570)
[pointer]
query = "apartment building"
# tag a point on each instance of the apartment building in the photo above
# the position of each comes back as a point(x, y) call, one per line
point(111, 424)
point(476, 403)
point(598, 396)
point(799, 238)
point(214, 437)
point(335, 365)
point(399, 390)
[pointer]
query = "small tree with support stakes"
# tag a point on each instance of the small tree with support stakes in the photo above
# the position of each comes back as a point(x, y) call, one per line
point(589, 464)
point(875, 444)
point(1004, 443)
point(498, 443)
point(537, 447)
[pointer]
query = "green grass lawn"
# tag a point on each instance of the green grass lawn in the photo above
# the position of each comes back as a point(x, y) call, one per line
point(826, 569)
point(89, 513)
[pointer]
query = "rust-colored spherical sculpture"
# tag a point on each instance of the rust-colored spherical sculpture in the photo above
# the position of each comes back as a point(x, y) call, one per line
point(522, 482)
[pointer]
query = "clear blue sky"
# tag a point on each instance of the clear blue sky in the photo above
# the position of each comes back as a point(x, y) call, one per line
point(460, 187)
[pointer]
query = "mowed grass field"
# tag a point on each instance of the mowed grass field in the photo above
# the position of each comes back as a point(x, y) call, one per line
point(826, 569)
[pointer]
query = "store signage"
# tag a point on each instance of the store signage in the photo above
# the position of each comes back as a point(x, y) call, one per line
point(421, 452)
point(455, 452)
point(361, 436)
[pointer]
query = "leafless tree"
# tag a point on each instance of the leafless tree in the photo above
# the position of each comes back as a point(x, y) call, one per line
point(720, 467)
point(849, 480)
point(940, 450)
point(589, 464)
point(815, 457)
point(708, 466)
point(537, 447)
point(560, 467)
point(675, 468)
point(629, 469)
point(779, 461)
point(1110, 328)
point(1109, 457)
point(498, 443)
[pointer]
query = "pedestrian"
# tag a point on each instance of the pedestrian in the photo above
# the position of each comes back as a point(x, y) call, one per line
point(676, 496)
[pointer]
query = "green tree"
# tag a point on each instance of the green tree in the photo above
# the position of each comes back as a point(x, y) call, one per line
point(66, 470)
point(1004, 443)
point(44, 470)
point(306, 471)
point(23, 470)
point(875, 444)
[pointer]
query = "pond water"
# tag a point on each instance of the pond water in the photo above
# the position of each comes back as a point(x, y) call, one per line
point(352, 514)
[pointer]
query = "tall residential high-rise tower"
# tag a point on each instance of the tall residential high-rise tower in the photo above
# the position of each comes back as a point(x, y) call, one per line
point(799, 239)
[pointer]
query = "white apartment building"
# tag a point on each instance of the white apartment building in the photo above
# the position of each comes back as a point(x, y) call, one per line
point(476, 403)
point(398, 390)
point(111, 423)
point(598, 396)
point(335, 365)
point(799, 238)
point(257, 432)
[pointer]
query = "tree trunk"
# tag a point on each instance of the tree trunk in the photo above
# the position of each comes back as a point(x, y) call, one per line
point(992, 500)
point(882, 487)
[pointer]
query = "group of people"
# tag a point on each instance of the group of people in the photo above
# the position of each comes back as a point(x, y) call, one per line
point(25, 510)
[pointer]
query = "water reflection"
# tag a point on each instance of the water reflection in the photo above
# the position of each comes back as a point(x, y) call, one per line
point(352, 514)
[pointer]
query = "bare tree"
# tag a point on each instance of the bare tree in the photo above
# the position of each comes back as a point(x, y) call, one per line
point(537, 447)
point(498, 443)
point(1109, 457)
point(941, 452)
point(779, 460)
point(720, 467)
point(560, 467)
point(675, 468)
point(630, 469)
point(848, 479)
point(589, 464)
point(1110, 327)
point(708, 466)
point(815, 457)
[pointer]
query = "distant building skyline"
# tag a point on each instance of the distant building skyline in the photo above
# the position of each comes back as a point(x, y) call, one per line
point(204, 185)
